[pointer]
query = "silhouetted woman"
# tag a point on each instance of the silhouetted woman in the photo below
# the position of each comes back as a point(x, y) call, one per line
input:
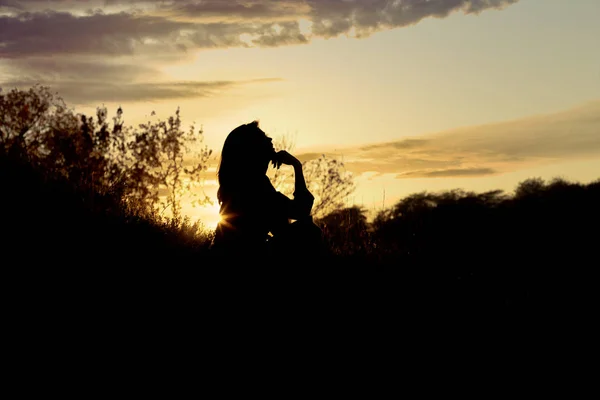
point(255, 217)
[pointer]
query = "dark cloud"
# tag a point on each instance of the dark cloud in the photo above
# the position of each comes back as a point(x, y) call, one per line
point(240, 10)
point(37, 5)
point(142, 35)
point(35, 27)
point(332, 17)
point(51, 33)
point(91, 80)
point(55, 69)
point(11, 4)
point(482, 150)
point(93, 92)
point(287, 33)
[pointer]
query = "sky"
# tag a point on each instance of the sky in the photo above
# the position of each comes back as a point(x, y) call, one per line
point(413, 95)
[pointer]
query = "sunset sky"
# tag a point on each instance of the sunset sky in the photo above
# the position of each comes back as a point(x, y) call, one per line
point(413, 95)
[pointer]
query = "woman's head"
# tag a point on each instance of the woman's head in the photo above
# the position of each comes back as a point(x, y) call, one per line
point(246, 154)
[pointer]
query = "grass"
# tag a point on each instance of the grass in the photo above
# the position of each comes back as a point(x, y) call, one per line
point(454, 250)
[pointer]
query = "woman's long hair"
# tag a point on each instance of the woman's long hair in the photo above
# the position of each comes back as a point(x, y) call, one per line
point(242, 160)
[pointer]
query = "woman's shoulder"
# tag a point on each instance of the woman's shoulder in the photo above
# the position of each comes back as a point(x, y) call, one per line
point(248, 186)
point(252, 194)
point(265, 186)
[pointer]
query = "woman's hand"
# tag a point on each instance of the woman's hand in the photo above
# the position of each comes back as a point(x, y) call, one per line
point(283, 157)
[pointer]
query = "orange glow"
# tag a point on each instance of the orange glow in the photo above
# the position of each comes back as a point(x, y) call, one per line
point(210, 216)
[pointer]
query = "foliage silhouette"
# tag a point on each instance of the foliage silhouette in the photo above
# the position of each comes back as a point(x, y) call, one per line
point(326, 178)
point(144, 167)
point(346, 231)
point(81, 193)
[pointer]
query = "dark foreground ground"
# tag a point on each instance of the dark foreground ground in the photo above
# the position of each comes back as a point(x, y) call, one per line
point(74, 278)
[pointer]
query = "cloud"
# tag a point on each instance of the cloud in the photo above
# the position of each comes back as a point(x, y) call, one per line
point(332, 18)
point(402, 144)
point(51, 33)
point(91, 80)
point(11, 4)
point(112, 48)
point(481, 150)
point(86, 83)
point(50, 69)
point(447, 173)
point(94, 92)
point(35, 28)
point(236, 10)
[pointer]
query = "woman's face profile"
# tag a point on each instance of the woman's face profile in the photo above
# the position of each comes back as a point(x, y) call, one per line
point(250, 147)
point(264, 145)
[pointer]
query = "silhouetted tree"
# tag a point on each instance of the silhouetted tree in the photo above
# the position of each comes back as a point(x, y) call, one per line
point(346, 231)
point(158, 163)
point(530, 187)
point(60, 172)
point(144, 167)
point(326, 178)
